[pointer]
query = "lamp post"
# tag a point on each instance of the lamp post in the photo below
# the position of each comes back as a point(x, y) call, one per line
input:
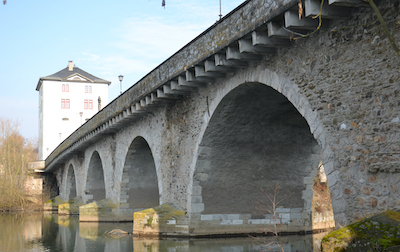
point(81, 113)
point(120, 77)
point(220, 11)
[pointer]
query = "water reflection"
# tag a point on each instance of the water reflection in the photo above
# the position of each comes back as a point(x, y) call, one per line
point(38, 232)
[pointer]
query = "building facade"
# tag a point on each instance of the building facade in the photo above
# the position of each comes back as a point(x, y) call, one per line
point(67, 99)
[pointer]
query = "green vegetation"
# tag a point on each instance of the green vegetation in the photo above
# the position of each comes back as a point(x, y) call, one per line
point(15, 153)
point(377, 233)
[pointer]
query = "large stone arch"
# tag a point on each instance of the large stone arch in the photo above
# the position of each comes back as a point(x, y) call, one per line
point(139, 181)
point(69, 180)
point(289, 92)
point(124, 140)
point(95, 189)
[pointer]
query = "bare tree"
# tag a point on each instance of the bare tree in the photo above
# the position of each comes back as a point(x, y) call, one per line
point(15, 153)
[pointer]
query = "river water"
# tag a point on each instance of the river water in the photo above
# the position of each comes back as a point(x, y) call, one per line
point(50, 232)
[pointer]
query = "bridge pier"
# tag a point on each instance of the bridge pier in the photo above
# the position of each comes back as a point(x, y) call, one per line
point(70, 207)
point(104, 211)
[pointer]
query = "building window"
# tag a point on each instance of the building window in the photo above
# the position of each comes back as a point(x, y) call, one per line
point(88, 89)
point(65, 104)
point(86, 104)
point(90, 104)
point(63, 87)
point(67, 88)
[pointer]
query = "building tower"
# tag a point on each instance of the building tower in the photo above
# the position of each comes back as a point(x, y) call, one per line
point(67, 99)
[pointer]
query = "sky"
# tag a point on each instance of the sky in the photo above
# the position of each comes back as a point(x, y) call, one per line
point(103, 38)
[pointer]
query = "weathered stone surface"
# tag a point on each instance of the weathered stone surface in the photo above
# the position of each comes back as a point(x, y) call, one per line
point(52, 204)
point(166, 219)
point(71, 207)
point(341, 103)
point(103, 211)
point(372, 234)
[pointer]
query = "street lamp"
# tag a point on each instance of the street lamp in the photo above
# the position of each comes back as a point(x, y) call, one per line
point(81, 113)
point(120, 77)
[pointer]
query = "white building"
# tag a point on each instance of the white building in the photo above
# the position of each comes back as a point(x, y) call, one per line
point(67, 99)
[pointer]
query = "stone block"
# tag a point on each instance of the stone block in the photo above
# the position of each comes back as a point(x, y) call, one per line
point(197, 199)
point(202, 177)
point(308, 180)
point(245, 216)
point(159, 220)
point(269, 216)
point(124, 196)
point(196, 190)
point(237, 222)
point(284, 216)
point(197, 207)
point(226, 222)
point(203, 165)
point(254, 221)
point(282, 210)
point(296, 210)
point(295, 216)
point(333, 178)
point(297, 223)
point(233, 216)
point(204, 151)
point(205, 217)
point(220, 216)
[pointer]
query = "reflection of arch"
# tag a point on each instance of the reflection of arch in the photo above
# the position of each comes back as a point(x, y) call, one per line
point(95, 186)
point(139, 184)
point(70, 183)
point(254, 139)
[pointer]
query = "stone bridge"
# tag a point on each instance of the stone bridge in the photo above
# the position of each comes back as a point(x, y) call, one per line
point(244, 106)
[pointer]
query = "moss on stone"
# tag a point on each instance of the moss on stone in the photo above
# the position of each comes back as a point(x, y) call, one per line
point(377, 232)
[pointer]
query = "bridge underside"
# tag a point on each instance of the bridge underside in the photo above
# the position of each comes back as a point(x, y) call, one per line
point(255, 142)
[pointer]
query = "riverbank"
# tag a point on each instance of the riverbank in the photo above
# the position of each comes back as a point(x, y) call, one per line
point(377, 233)
point(24, 204)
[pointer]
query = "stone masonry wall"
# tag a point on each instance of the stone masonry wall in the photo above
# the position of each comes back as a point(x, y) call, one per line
point(344, 81)
point(350, 74)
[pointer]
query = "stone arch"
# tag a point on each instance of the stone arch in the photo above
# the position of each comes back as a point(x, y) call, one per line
point(139, 183)
point(288, 96)
point(70, 183)
point(95, 189)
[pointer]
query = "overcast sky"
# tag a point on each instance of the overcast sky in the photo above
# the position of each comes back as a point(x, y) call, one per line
point(103, 38)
